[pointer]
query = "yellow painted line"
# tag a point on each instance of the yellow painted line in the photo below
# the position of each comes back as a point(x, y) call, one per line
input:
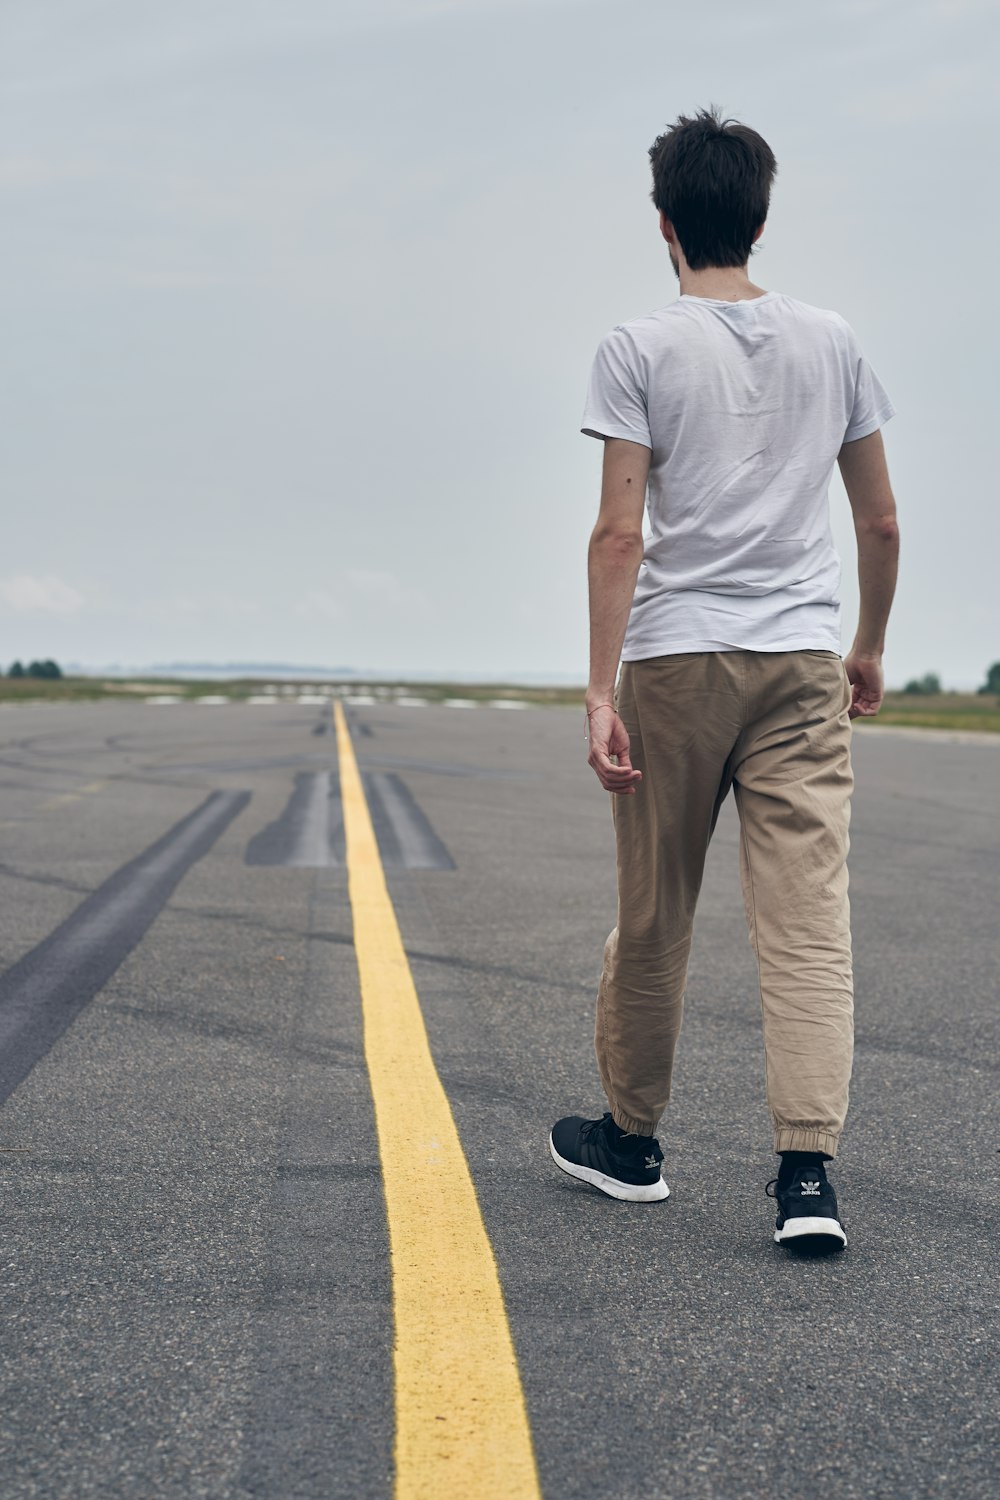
point(461, 1427)
point(63, 797)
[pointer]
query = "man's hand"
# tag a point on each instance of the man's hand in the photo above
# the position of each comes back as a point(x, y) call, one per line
point(608, 737)
point(865, 676)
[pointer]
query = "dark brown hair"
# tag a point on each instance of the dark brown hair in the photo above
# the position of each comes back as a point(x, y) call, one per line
point(712, 179)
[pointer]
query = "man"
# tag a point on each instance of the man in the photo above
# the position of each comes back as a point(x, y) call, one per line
point(722, 415)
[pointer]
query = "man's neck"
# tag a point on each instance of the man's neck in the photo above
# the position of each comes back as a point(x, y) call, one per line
point(720, 283)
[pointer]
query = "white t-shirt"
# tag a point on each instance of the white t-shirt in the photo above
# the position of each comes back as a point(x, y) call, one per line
point(745, 406)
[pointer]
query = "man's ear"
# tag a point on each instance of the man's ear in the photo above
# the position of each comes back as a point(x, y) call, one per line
point(668, 232)
point(757, 234)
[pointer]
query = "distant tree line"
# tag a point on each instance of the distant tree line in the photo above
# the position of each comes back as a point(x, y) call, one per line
point(48, 668)
point(930, 683)
point(926, 686)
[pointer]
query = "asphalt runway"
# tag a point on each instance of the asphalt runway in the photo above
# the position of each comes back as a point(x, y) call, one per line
point(196, 1281)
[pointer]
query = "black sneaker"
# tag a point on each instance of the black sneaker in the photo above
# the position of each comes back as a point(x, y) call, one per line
point(598, 1152)
point(807, 1210)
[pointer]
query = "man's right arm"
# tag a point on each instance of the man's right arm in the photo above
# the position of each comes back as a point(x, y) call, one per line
point(613, 562)
point(866, 479)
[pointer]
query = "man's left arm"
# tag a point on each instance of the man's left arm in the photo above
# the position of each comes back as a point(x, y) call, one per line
point(613, 560)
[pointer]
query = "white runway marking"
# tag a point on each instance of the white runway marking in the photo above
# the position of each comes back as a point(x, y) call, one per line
point(950, 736)
point(406, 700)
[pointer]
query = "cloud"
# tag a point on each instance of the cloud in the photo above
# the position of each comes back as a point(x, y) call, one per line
point(924, 97)
point(365, 593)
point(212, 605)
point(316, 603)
point(382, 591)
point(43, 595)
point(38, 171)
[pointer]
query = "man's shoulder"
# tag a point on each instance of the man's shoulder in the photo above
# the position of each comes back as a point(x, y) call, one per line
point(682, 324)
point(683, 309)
point(636, 338)
point(648, 323)
point(808, 312)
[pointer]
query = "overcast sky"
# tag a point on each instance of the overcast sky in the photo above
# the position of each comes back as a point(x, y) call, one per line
point(300, 299)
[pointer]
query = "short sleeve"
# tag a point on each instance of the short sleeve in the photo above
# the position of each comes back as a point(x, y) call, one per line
point(616, 399)
point(872, 407)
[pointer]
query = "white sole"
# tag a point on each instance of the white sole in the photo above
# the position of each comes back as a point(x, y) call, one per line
point(805, 1228)
point(632, 1192)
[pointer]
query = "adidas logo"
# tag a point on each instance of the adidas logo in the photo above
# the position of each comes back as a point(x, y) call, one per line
point(650, 1163)
point(810, 1190)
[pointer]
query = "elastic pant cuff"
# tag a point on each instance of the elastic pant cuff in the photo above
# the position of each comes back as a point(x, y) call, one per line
point(631, 1125)
point(806, 1140)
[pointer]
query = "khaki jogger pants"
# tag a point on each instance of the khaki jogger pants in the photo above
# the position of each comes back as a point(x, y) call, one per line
point(775, 726)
